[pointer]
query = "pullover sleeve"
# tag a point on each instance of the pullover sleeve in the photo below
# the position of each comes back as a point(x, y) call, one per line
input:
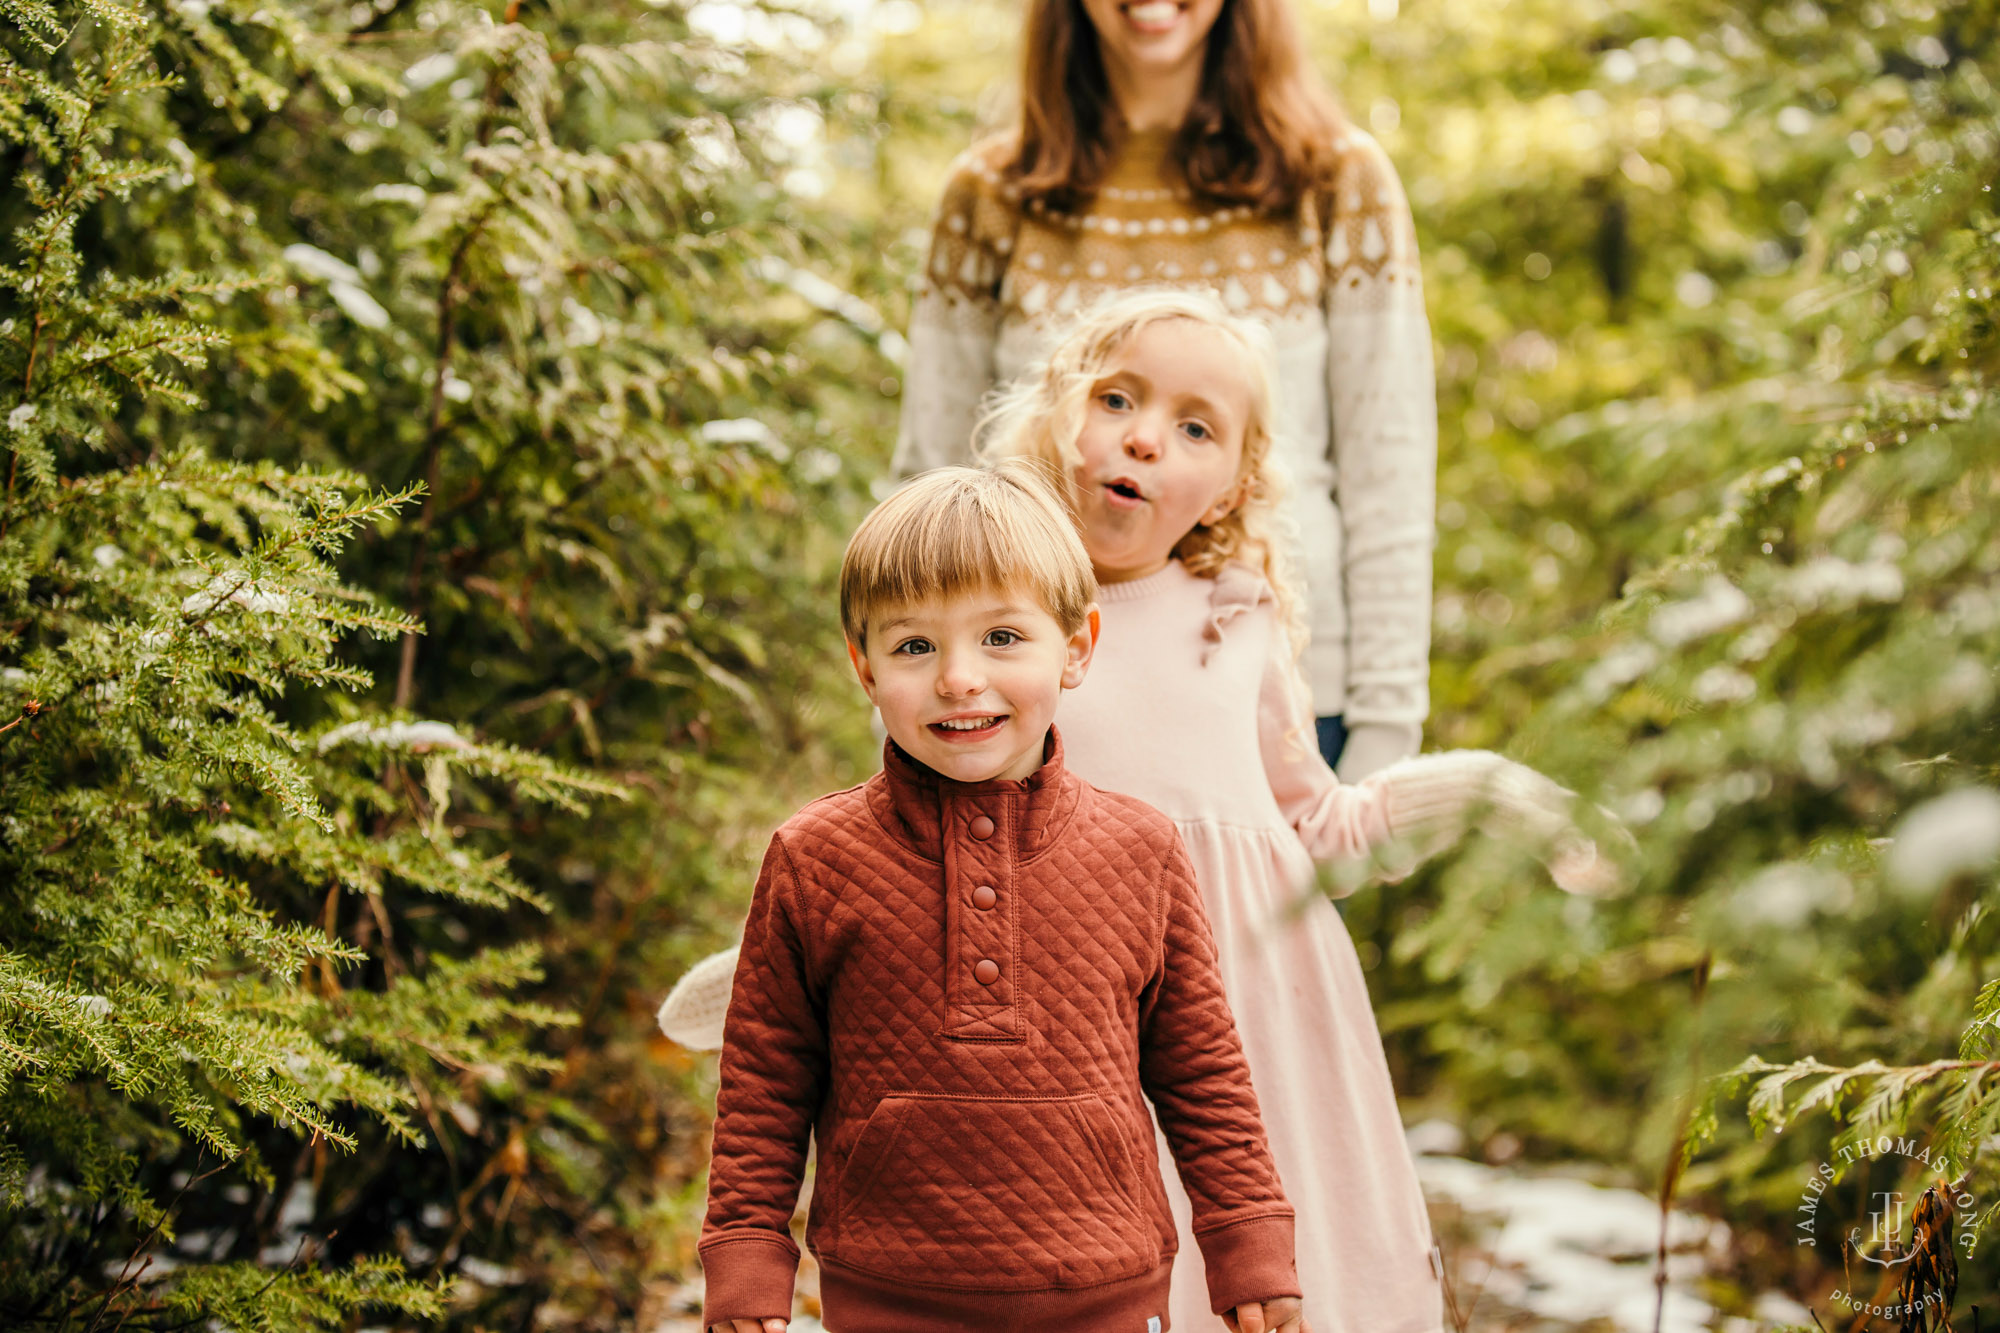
point(1192, 1067)
point(774, 1074)
point(1337, 821)
point(1382, 395)
point(955, 321)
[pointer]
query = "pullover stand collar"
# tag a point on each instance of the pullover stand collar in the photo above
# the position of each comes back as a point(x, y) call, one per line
point(926, 811)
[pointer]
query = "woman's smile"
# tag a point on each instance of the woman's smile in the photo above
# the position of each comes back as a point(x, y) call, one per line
point(1153, 16)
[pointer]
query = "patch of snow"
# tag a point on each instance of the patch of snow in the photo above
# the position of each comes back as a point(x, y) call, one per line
point(1565, 1249)
point(417, 736)
point(225, 589)
point(489, 1274)
point(1719, 605)
point(434, 68)
point(317, 263)
point(1950, 835)
point(358, 305)
point(1829, 581)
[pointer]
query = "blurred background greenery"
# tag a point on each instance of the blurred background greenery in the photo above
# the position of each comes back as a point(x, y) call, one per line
point(619, 286)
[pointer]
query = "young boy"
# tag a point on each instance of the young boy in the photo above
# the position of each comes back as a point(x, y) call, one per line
point(966, 976)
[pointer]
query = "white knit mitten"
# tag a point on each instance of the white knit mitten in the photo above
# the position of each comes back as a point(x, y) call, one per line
point(693, 1011)
point(1436, 799)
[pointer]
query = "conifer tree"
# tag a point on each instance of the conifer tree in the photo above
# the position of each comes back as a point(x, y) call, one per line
point(425, 442)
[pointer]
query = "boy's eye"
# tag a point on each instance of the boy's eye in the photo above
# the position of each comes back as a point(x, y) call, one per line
point(912, 647)
point(1002, 638)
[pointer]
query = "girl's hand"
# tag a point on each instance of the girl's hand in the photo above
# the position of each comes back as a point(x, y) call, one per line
point(1284, 1314)
point(749, 1326)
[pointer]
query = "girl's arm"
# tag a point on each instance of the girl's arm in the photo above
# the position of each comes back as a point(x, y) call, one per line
point(1337, 821)
point(774, 1072)
point(1382, 394)
point(956, 320)
point(1414, 809)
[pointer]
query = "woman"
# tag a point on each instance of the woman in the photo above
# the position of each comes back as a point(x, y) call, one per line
point(1189, 144)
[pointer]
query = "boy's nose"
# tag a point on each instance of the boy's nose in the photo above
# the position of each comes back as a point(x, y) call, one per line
point(960, 674)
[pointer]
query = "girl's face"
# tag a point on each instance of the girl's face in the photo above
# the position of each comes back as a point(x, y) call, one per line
point(1156, 38)
point(1161, 446)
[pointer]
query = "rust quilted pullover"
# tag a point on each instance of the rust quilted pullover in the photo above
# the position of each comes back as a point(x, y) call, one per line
point(966, 992)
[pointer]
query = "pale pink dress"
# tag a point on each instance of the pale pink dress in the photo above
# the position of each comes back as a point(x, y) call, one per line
point(1194, 705)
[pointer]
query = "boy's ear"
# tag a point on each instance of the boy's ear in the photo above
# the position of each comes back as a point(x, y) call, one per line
point(1082, 646)
point(862, 671)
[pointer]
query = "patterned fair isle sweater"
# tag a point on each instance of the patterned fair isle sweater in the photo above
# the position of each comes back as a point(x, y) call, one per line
point(1338, 283)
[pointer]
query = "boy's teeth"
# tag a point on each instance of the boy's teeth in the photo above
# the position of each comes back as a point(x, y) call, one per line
point(967, 723)
point(1156, 11)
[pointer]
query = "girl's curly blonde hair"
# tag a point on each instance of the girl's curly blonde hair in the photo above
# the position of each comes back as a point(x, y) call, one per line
point(1043, 414)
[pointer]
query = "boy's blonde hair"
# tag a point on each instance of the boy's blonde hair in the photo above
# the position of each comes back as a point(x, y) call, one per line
point(960, 530)
point(1042, 416)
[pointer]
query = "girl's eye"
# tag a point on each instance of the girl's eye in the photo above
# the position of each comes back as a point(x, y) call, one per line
point(913, 647)
point(1115, 400)
point(1196, 431)
point(1002, 638)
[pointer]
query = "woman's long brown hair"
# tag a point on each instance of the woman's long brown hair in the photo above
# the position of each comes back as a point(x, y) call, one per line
point(1261, 129)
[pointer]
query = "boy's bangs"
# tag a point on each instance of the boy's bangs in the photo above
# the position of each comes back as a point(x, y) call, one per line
point(956, 533)
point(949, 553)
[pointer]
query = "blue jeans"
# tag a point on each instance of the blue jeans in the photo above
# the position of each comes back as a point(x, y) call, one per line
point(1332, 737)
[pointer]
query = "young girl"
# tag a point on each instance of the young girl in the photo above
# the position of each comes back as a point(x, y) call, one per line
point(1189, 144)
point(1157, 412)
point(1157, 409)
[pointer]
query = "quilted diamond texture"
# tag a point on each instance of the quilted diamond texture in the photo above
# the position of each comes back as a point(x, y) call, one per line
point(921, 1158)
point(978, 1136)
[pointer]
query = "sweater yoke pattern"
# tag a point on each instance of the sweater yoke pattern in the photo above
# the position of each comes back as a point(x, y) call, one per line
point(1350, 244)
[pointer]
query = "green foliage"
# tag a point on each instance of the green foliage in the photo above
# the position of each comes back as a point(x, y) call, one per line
point(320, 322)
point(1712, 286)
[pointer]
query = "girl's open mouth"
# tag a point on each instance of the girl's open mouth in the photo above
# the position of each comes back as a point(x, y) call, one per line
point(1123, 494)
point(967, 728)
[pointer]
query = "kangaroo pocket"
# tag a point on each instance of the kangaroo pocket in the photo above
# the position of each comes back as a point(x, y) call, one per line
point(994, 1194)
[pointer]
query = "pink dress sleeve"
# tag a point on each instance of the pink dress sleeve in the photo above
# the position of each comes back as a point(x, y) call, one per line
point(1337, 821)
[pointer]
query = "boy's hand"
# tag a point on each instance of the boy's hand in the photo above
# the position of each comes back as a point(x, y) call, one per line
point(1285, 1314)
point(749, 1326)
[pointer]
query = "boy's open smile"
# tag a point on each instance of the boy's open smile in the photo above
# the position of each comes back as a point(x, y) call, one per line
point(963, 727)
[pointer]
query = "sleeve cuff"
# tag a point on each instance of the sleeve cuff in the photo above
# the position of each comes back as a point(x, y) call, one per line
point(1373, 746)
point(1252, 1260)
point(748, 1276)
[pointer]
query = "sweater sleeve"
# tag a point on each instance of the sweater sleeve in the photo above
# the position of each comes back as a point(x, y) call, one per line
point(1337, 821)
point(1192, 1067)
point(1382, 396)
point(955, 321)
point(774, 1073)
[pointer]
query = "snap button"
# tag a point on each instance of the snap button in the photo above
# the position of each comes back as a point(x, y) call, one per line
point(983, 897)
point(981, 827)
point(987, 972)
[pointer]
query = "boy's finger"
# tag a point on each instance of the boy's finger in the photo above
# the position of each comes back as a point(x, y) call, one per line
point(1250, 1316)
point(774, 1326)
